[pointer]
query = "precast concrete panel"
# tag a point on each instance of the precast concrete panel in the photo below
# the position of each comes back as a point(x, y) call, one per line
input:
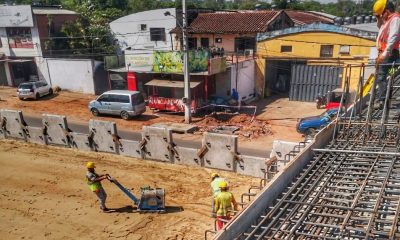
point(2, 131)
point(14, 124)
point(130, 148)
point(35, 135)
point(221, 151)
point(158, 143)
point(80, 141)
point(251, 166)
point(104, 136)
point(188, 156)
point(56, 129)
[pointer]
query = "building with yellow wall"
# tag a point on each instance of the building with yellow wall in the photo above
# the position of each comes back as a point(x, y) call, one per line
point(311, 59)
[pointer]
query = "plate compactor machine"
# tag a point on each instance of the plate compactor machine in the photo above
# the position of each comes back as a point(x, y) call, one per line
point(151, 199)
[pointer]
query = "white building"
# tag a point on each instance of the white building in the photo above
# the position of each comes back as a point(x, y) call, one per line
point(23, 32)
point(148, 30)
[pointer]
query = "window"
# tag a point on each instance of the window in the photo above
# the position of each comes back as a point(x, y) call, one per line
point(205, 42)
point(122, 98)
point(143, 27)
point(19, 37)
point(137, 99)
point(192, 43)
point(326, 51)
point(157, 34)
point(286, 48)
point(344, 49)
point(218, 40)
point(103, 98)
point(244, 43)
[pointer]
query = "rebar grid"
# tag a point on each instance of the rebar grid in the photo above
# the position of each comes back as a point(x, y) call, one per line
point(350, 189)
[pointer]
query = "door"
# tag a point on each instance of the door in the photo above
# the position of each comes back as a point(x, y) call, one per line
point(103, 103)
point(307, 81)
point(3, 76)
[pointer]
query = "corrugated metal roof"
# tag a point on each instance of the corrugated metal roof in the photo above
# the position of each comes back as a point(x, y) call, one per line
point(171, 83)
point(52, 11)
point(233, 22)
point(301, 18)
point(369, 27)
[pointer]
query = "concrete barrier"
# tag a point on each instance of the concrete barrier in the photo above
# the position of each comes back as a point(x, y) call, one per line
point(188, 156)
point(221, 151)
point(56, 129)
point(274, 188)
point(13, 124)
point(158, 144)
point(130, 148)
point(251, 166)
point(104, 136)
point(36, 135)
point(279, 150)
point(80, 141)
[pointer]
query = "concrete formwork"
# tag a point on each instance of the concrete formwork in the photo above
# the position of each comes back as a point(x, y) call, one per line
point(271, 191)
point(104, 136)
point(36, 135)
point(80, 141)
point(221, 151)
point(188, 156)
point(130, 148)
point(13, 124)
point(56, 129)
point(251, 166)
point(158, 144)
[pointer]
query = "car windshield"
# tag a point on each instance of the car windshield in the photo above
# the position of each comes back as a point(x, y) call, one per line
point(26, 86)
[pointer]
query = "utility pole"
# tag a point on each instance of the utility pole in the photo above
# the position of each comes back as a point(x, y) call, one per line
point(186, 75)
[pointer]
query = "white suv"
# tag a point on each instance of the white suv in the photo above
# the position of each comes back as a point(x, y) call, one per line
point(33, 90)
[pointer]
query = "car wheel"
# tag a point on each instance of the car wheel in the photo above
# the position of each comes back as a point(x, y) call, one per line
point(37, 96)
point(95, 112)
point(311, 132)
point(50, 92)
point(125, 115)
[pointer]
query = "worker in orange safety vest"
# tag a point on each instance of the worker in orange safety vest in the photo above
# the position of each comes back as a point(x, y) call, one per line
point(387, 44)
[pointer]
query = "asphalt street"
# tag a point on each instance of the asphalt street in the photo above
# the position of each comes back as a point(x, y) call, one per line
point(82, 127)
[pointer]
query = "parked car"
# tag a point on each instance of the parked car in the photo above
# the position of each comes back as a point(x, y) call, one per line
point(310, 125)
point(33, 90)
point(124, 103)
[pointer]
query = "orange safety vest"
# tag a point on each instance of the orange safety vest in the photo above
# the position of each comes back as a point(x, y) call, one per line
point(383, 37)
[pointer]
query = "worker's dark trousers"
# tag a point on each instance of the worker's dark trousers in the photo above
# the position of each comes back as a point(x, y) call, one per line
point(102, 196)
point(381, 74)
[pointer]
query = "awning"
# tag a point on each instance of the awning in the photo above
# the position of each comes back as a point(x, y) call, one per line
point(171, 83)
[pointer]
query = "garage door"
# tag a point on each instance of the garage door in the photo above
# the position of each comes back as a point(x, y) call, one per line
point(307, 81)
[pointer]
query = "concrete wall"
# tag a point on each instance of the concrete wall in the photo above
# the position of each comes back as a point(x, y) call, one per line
point(245, 80)
point(71, 74)
point(127, 29)
point(274, 188)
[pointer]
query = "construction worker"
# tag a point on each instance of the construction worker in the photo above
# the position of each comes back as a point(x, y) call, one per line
point(387, 44)
point(224, 204)
point(215, 181)
point(94, 182)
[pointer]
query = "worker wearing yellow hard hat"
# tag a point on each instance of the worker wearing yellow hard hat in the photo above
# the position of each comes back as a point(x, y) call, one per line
point(94, 181)
point(388, 41)
point(225, 204)
point(215, 181)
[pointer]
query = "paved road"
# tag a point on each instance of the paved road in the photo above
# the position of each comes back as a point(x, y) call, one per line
point(82, 127)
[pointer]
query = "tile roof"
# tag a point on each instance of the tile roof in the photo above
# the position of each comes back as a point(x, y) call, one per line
point(301, 18)
point(233, 22)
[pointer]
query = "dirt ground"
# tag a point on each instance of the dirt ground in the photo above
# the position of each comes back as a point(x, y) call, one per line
point(43, 195)
point(277, 116)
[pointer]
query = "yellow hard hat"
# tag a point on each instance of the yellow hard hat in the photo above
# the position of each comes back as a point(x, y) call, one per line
point(223, 184)
point(90, 165)
point(214, 174)
point(379, 7)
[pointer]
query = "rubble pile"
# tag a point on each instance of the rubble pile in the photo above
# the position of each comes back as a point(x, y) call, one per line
point(248, 127)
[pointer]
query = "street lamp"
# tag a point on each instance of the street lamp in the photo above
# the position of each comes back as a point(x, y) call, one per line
point(186, 76)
